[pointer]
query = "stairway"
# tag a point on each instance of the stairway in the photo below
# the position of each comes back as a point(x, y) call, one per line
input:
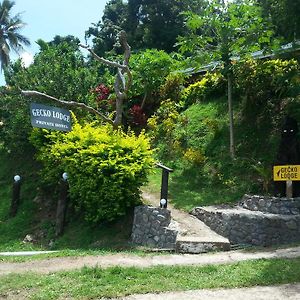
point(196, 237)
point(255, 220)
point(193, 235)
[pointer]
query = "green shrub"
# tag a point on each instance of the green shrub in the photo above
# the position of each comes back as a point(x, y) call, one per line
point(106, 167)
point(264, 84)
point(209, 85)
point(173, 86)
point(162, 125)
point(184, 136)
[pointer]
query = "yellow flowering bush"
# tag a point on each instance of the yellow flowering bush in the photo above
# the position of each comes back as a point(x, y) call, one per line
point(106, 167)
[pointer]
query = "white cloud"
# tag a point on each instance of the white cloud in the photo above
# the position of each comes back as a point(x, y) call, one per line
point(27, 59)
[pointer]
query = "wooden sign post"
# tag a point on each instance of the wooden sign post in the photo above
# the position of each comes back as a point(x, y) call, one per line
point(288, 173)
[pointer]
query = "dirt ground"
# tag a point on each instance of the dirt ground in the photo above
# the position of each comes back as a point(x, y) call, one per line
point(57, 264)
point(281, 292)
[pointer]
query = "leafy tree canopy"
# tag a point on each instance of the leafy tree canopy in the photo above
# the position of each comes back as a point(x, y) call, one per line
point(223, 32)
point(59, 70)
point(285, 15)
point(148, 24)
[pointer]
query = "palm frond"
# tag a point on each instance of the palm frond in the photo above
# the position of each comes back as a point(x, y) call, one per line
point(10, 38)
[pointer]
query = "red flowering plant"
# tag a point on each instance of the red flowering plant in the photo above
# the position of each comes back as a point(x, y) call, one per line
point(102, 93)
point(137, 116)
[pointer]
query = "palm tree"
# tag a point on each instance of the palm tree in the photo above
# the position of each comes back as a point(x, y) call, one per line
point(10, 38)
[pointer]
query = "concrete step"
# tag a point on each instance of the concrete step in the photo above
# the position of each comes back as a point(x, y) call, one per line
point(243, 226)
point(195, 237)
point(196, 245)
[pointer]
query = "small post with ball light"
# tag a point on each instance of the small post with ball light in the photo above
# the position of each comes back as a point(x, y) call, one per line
point(62, 205)
point(16, 191)
point(164, 185)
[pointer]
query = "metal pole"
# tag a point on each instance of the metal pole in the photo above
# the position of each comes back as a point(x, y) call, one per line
point(164, 186)
point(62, 205)
point(16, 190)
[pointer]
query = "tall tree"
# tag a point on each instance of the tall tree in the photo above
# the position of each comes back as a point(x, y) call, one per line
point(104, 33)
point(285, 15)
point(59, 69)
point(158, 23)
point(224, 32)
point(10, 37)
point(148, 23)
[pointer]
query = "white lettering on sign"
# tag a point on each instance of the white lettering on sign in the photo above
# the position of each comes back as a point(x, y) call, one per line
point(60, 116)
point(41, 113)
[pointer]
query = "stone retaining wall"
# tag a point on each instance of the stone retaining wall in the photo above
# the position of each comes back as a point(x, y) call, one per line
point(151, 228)
point(284, 206)
point(256, 220)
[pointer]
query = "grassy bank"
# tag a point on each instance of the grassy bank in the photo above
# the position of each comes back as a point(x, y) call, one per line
point(92, 283)
point(37, 218)
point(196, 146)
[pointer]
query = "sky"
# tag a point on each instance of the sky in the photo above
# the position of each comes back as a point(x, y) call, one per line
point(47, 18)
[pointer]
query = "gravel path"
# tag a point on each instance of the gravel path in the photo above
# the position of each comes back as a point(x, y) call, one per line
point(187, 225)
point(126, 260)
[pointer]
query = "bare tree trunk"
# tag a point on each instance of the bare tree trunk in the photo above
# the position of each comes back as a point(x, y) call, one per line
point(119, 112)
point(230, 112)
point(144, 100)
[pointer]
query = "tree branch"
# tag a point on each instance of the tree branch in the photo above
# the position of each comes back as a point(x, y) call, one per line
point(121, 85)
point(103, 60)
point(68, 103)
point(126, 47)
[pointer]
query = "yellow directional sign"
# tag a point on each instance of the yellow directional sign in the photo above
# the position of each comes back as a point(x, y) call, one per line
point(285, 173)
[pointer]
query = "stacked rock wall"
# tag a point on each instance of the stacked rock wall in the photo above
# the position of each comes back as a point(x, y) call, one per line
point(273, 205)
point(256, 220)
point(151, 228)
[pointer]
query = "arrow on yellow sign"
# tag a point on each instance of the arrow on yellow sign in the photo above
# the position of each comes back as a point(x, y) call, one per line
point(285, 173)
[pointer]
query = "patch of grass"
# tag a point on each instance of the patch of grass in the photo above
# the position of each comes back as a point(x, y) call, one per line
point(77, 253)
point(92, 283)
point(154, 182)
point(78, 237)
point(113, 236)
point(13, 230)
point(188, 189)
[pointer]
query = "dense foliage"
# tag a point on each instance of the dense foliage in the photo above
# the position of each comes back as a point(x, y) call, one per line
point(209, 85)
point(284, 14)
point(59, 70)
point(106, 167)
point(181, 95)
point(149, 24)
point(191, 133)
point(268, 88)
